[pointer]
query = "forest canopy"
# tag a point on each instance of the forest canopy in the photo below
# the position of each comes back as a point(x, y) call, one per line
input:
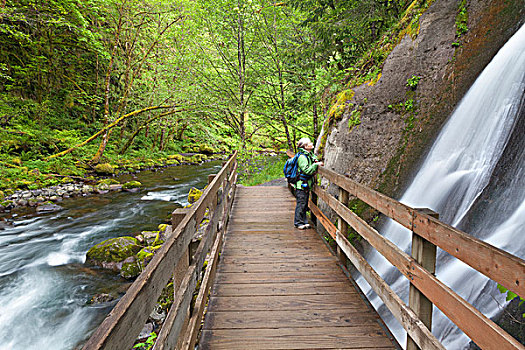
point(92, 80)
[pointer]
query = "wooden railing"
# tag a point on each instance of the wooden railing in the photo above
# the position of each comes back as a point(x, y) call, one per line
point(428, 232)
point(175, 259)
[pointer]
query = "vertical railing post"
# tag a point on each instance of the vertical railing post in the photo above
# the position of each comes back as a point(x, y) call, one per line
point(182, 266)
point(314, 200)
point(424, 253)
point(342, 226)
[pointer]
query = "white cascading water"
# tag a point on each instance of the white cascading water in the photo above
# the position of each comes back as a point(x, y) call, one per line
point(455, 173)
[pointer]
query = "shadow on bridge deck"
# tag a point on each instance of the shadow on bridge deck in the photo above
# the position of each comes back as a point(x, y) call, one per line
point(278, 287)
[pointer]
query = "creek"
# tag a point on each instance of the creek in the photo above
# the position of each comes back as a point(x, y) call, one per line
point(473, 176)
point(44, 283)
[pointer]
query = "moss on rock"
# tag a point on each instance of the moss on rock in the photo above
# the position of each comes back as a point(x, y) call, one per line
point(131, 270)
point(194, 195)
point(131, 184)
point(108, 182)
point(104, 168)
point(67, 180)
point(145, 255)
point(206, 149)
point(113, 250)
point(176, 157)
point(337, 109)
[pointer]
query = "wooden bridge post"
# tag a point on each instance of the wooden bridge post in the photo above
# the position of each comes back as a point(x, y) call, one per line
point(424, 253)
point(313, 197)
point(182, 266)
point(342, 226)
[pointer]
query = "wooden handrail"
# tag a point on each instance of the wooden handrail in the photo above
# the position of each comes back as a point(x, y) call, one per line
point(415, 328)
point(497, 264)
point(124, 323)
point(509, 270)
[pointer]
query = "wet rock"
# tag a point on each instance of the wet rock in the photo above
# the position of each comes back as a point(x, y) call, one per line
point(104, 168)
point(48, 208)
point(146, 331)
point(101, 298)
point(131, 268)
point(152, 237)
point(112, 253)
point(158, 315)
point(146, 254)
point(116, 187)
point(131, 185)
point(194, 195)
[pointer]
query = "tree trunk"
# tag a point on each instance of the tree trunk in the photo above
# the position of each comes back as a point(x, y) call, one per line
point(316, 125)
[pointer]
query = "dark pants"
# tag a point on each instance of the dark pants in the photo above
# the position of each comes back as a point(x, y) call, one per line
point(300, 208)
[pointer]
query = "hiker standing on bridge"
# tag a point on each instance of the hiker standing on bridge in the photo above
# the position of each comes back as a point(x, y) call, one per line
point(307, 164)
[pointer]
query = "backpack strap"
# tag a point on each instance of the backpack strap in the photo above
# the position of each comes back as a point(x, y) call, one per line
point(304, 177)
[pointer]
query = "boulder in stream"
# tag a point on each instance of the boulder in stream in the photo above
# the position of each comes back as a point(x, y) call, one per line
point(48, 207)
point(112, 253)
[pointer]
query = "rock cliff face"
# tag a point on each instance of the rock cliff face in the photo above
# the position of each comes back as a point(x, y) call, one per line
point(399, 122)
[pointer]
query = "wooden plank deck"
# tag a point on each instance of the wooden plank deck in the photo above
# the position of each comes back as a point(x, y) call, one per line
point(278, 287)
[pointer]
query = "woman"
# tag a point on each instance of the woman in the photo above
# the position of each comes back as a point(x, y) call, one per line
point(307, 164)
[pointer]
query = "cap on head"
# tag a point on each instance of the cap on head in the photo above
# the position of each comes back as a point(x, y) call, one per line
point(303, 142)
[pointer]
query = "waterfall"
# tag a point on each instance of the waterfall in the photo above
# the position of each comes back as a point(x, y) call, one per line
point(474, 178)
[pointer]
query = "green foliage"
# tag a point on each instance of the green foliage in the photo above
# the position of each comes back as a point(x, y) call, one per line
point(355, 118)
point(410, 122)
point(462, 19)
point(235, 74)
point(148, 344)
point(255, 169)
point(413, 81)
point(510, 295)
point(409, 105)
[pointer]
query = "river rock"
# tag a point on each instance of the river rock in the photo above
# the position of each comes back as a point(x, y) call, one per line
point(104, 168)
point(131, 268)
point(101, 298)
point(115, 187)
point(146, 331)
point(48, 207)
point(131, 186)
point(152, 238)
point(194, 195)
point(158, 315)
point(112, 253)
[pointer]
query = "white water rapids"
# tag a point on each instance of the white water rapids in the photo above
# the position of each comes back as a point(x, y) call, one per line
point(44, 283)
point(455, 174)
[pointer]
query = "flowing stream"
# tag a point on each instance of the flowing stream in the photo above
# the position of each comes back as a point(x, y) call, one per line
point(473, 176)
point(44, 285)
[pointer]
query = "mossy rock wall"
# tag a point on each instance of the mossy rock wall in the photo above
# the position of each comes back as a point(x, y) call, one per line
point(385, 149)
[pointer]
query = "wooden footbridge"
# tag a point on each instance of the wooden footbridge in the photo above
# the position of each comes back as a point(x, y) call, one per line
point(255, 282)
